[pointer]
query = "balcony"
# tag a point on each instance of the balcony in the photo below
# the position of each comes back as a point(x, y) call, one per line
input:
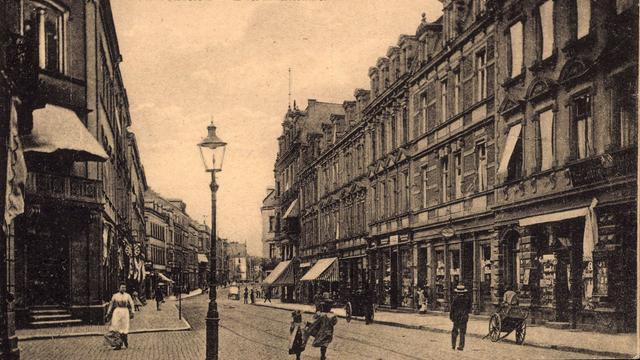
point(64, 188)
point(604, 167)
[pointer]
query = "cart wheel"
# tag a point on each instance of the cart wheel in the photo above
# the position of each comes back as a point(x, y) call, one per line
point(521, 332)
point(348, 310)
point(495, 327)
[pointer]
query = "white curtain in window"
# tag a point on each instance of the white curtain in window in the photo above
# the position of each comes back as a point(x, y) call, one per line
point(582, 138)
point(584, 17)
point(546, 139)
point(516, 49)
point(546, 25)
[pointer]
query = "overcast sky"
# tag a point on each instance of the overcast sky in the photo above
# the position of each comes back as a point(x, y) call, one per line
point(186, 62)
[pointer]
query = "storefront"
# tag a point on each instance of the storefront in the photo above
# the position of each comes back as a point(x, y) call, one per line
point(392, 267)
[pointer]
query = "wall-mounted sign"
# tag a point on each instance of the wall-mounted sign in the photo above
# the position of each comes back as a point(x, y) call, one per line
point(448, 232)
point(404, 238)
point(393, 239)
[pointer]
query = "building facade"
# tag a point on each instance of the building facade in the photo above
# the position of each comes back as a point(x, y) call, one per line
point(269, 225)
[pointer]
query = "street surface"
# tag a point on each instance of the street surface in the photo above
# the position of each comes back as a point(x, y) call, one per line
point(251, 332)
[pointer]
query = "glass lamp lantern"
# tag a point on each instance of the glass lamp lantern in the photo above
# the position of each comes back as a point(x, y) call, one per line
point(212, 150)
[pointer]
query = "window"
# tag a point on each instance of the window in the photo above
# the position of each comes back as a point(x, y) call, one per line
point(395, 201)
point(423, 112)
point(481, 165)
point(458, 175)
point(48, 22)
point(443, 100)
point(583, 18)
point(516, 48)
point(405, 177)
point(272, 223)
point(514, 169)
point(625, 114)
point(385, 204)
point(583, 126)
point(481, 75)
point(456, 92)
point(622, 5)
point(374, 146)
point(394, 132)
point(425, 185)
point(546, 141)
point(383, 140)
point(405, 126)
point(545, 29)
point(376, 201)
point(444, 186)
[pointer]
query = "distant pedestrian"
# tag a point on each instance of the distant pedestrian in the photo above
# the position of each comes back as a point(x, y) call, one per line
point(267, 295)
point(297, 337)
point(459, 315)
point(159, 297)
point(317, 300)
point(322, 326)
point(120, 312)
point(137, 304)
point(246, 295)
point(252, 295)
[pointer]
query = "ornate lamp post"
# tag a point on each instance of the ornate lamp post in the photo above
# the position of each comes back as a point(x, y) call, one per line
point(212, 150)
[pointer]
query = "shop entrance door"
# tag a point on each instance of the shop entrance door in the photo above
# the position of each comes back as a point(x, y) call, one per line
point(394, 279)
point(467, 265)
point(562, 286)
point(48, 266)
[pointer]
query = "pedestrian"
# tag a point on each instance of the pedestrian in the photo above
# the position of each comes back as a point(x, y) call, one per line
point(120, 312)
point(246, 295)
point(159, 297)
point(253, 297)
point(137, 304)
point(422, 299)
point(459, 315)
point(368, 303)
point(322, 326)
point(297, 337)
point(267, 295)
point(317, 300)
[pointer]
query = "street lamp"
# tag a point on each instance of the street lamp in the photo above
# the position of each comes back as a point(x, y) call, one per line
point(212, 150)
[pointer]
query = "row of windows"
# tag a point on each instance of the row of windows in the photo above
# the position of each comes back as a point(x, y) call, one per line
point(158, 255)
point(156, 231)
point(386, 138)
point(391, 197)
point(346, 221)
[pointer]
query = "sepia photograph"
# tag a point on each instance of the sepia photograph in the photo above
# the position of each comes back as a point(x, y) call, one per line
point(319, 179)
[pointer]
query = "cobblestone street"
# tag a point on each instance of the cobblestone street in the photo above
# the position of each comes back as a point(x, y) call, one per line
point(252, 332)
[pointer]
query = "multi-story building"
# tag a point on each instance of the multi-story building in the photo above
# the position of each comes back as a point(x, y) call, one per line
point(203, 247)
point(390, 176)
point(222, 261)
point(332, 197)
point(139, 186)
point(159, 235)
point(565, 198)
point(269, 225)
point(236, 254)
point(79, 187)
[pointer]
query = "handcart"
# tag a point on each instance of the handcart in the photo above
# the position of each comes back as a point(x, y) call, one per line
point(507, 319)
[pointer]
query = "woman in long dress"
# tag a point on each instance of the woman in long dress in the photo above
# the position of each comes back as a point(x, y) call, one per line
point(121, 311)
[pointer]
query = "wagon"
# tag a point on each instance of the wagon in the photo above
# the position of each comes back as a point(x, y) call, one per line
point(358, 305)
point(507, 319)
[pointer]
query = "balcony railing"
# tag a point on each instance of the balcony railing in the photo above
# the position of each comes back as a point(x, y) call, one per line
point(64, 188)
point(604, 167)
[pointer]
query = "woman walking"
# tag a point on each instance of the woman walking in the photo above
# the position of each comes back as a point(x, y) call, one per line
point(120, 312)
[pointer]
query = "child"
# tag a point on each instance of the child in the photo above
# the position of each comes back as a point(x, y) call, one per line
point(322, 326)
point(297, 340)
point(136, 301)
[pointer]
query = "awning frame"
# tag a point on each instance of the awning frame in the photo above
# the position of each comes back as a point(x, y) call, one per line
point(509, 147)
point(325, 269)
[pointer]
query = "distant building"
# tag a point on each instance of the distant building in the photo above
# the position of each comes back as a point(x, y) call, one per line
point(269, 225)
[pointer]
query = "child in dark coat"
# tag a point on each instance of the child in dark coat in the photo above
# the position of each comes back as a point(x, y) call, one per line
point(322, 326)
point(297, 338)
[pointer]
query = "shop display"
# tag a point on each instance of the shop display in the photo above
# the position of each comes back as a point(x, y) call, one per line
point(386, 280)
point(407, 279)
point(547, 282)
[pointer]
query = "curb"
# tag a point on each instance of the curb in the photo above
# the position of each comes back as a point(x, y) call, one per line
point(606, 354)
point(186, 327)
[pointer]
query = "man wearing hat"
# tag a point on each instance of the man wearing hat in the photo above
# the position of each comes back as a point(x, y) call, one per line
point(459, 315)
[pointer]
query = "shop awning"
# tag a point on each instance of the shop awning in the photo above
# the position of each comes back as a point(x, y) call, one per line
point(556, 216)
point(324, 269)
point(202, 258)
point(281, 275)
point(59, 130)
point(292, 211)
point(164, 278)
point(510, 145)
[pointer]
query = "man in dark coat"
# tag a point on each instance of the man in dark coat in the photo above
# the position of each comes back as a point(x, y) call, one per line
point(246, 295)
point(459, 315)
point(159, 296)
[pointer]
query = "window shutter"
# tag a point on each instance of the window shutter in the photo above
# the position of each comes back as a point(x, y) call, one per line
point(431, 116)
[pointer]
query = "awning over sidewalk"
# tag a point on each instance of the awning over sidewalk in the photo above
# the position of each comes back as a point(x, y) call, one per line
point(202, 258)
point(510, 145)
point(324, 269)
point(163, 277)
point(292, 211)
point(556, 216)
point(60, 130)
point(282, 275)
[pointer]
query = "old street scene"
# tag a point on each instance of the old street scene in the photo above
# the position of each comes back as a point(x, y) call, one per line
point(322, 179)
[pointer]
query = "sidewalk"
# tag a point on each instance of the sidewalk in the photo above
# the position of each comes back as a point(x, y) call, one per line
point(193, 293)
point(608, 345)
point(148, 319)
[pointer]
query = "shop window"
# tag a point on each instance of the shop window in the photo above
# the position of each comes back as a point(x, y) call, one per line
point(516, 48)
point(583, 18)
point(481, 75)
point(454, 271)
point(486, 270)
point(481, 166)
point(514, 169)
point(440, 277)
point(625, 114)
point(458, 175)
point(545, 29)
point(444, 181)
point(546, 141)
point(582, 127)
point(406, 276)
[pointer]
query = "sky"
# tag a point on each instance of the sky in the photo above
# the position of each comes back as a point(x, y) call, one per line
point(188, 62)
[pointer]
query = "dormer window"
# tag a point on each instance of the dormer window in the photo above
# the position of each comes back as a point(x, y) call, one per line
point(48, 22)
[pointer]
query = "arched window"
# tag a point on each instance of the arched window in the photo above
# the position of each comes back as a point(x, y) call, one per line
point(47, 20)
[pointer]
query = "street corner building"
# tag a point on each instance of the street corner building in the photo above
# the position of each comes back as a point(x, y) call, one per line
point(82, 229)
point(496, 147)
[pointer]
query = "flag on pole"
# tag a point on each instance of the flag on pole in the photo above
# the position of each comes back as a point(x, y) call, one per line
point(16, 168)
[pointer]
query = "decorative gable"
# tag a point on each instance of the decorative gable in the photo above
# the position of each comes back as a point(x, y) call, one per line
point(510, 105)
point(540, 88)
point(574, 70)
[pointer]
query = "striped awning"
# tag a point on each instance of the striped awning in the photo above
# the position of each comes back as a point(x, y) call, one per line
point(163, 277)
point(282, 275)
point(324, 269)
point(202, 258)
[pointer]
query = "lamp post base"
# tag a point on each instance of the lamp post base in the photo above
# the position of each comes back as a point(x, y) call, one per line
point(9, 351)
point(212, 322)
